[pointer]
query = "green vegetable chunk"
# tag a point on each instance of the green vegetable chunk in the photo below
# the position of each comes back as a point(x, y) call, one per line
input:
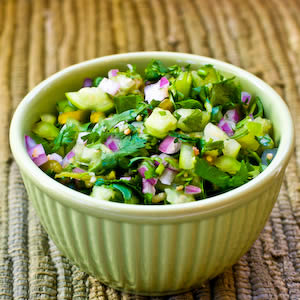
point(91, 98)
point(45, 130)
point(192, 119)
point(160, 122)
point(104, 193)
point(124, 103)
point(175, 197)
point(187, 157)
point(183, 83)
point(228, 164)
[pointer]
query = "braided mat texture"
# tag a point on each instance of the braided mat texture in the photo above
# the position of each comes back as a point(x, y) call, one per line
point(40, 37)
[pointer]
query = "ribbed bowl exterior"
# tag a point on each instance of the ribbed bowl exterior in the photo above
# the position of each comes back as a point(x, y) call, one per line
point(149, 258)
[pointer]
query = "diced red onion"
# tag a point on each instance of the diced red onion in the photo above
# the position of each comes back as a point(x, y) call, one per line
point(232, 115)
point(130, 67)
point(56, 157)
point(251, 117)
point(163, 82)
point(113, 73)
point(156, 163)
point(67, 159)
point(88, 82)
point(78, 170)
point(172, 168)
point(109, 86)
point(161, 158)
point(152, 181)
point(148, 188)
point(29, 142)
point(169, 146)
point(155, 92)
point(70, 154)
point(112, 144)
point(245, 97)
point(128, 178)
point(79, 138)
point(120, 124)
point(40, 160)
point(142, 170)
point(193, 190)
point(226, 126)
point(167, 176)
point(36, 151)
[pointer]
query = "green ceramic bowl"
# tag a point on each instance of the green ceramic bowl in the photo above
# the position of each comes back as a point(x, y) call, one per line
point(151, 250)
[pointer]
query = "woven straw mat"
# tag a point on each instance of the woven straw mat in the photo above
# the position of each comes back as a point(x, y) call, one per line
point(40, 37)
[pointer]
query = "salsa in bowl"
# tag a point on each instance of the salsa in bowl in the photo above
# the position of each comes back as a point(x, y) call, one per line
point(166, 135)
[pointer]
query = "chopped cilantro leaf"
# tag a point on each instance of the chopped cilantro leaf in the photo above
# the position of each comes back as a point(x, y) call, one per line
point(107, 124)
point(67, 136)
point(190, 103)
point(124, 103)
point(220, 178)
point(155, 70)
point(224, 92)
point(128, 146)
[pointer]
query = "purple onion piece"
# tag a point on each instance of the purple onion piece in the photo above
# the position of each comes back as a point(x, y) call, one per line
point(66, 161)
point(130, 67)
point(88, 82)
point(113, 73)
point(163, 82)
point(80, 136)
point(128, 178)
point(169, 146)
point(56, 157)
point(245, 97)
point(142, 170)
point(193, 190)
point(148, 188)
point(155, 92)
point(78, 170)
point(36, 151)
point(112, 144)
point(109, 86)
point(227, 128)
point(167, 176)
point(232, 115)
point(29, 142)
point(70, 154)
point(40, 160)
point(152, 181)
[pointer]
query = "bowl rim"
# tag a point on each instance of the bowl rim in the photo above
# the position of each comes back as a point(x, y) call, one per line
point(84, 202)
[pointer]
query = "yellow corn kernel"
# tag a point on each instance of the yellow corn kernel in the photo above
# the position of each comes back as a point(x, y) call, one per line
point(139, 118)
point(196, 151)
point(96, 116)
point(79, 115)
point(179, 188)
point(127, 131)
point(111, 175)
point(209, 158)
